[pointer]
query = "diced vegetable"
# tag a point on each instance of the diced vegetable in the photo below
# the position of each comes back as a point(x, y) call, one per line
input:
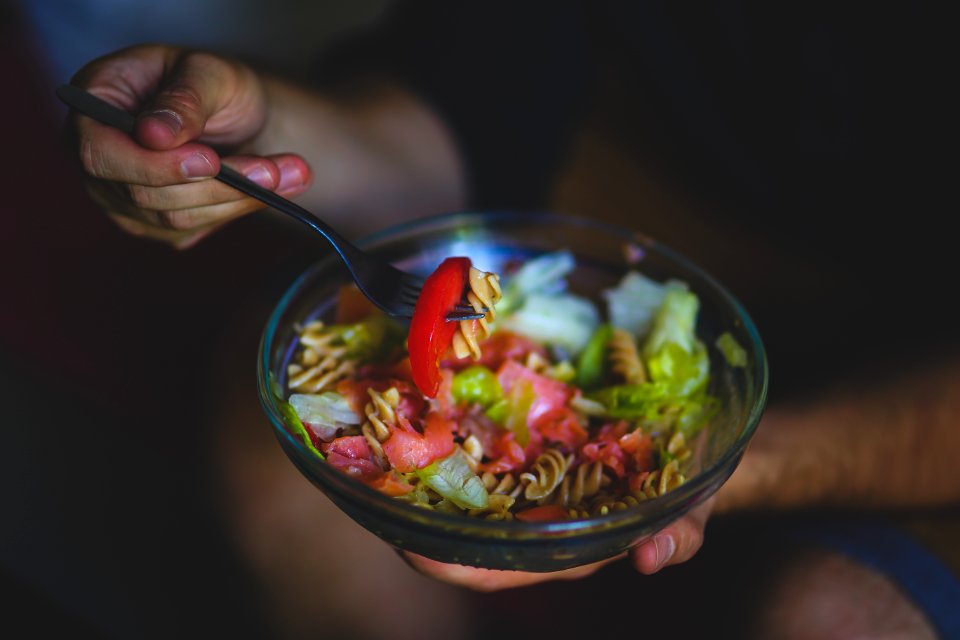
point(735, 355)
point(478, 385)
point(592, 364)
point(673, 353)
point(544, 513)
point(324, 414)
point(542, 275)
point(632, 304)
point(293, 421)
point(453, 479)
point(407, 450)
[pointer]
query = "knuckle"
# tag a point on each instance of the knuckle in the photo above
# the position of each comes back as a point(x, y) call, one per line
point(177, 220)
point(181, 98)
point(140, 196)
point(91, 159)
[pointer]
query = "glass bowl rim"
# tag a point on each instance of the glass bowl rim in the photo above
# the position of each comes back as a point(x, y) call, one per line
point(643, 513)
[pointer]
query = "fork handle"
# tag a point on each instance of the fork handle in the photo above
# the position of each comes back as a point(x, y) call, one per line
point(105, 113)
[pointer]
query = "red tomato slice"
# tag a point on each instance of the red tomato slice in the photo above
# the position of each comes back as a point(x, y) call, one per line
point(430, 333)
point(544, 513)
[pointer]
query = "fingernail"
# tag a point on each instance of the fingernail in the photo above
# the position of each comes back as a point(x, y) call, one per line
point(170, 119)
point(665, 549)
point(261, 176)
point(197, 166)
point(290, 176)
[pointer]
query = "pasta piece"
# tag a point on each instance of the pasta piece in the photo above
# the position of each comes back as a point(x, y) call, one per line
point(624, 357)
point(375, 447)
point(498, 508)
point(587, 407)
point(381, 412)
point(677, 447)
point(473, 449)
point(606, 504)
point(585, 483)
point(507, 485)
point(484, 292)
point(320, 364)
point(550, 468)
point(660, 481)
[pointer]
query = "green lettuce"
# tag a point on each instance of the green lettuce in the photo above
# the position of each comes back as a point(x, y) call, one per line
point(735, 355)
point(543, 274)
point(563, 320)
point(300, 431)
point(592, 363)
point(453, 479)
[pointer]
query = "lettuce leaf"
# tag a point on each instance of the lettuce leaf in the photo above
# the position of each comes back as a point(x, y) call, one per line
point(672, 352)
point(592, 363)
point(324, 413)
point(300, 431)
point(563, 320)
point(453, 479)
point(631, 305)
point(544, 274)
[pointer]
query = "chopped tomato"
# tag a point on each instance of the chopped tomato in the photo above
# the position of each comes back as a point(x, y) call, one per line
point(543, 513)
point(407, 450)
point(636, 480)
point(562, 425)
point(605, 447)
point(506, 455)
point(549, 394)
point(351, 454)
point(391, 483)
point(430, 333)
point(640, 447)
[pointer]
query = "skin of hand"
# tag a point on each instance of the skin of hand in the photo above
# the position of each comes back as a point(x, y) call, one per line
point(191, 106)
point(367, 155)
point(676, 543)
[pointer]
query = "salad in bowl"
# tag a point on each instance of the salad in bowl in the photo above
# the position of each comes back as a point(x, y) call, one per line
point(608, 387)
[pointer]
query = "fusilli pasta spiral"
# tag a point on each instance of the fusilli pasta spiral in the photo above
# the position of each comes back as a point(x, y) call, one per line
point(624, 358)
point(321, 363)
point(549, 470)
point(483, 295)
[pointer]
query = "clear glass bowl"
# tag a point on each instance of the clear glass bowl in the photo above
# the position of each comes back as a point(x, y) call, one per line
point(604, 253)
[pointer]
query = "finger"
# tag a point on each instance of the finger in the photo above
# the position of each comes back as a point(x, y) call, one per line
point(127, 77)
point(202, 97)
point(186, 220)
point(176, 239)
point(109, 154)
point(179, 206)
point(263, 171)
point(675, 544)
point(495, 579)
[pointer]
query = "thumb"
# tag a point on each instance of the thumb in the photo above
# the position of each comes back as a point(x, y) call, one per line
point(203, 97)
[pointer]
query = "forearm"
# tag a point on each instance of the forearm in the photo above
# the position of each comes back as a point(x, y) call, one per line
point(893, 445)
point(379, 156)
